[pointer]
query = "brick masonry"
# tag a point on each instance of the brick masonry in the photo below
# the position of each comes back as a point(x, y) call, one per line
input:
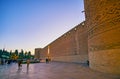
point(97, 39)
point(103, 23)
point(71, 45)
point(37, 53)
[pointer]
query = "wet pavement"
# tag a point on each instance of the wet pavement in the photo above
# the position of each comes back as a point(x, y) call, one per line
point(53, 70)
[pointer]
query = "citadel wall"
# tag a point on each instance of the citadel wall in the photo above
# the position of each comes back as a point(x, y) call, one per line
point(103, 23)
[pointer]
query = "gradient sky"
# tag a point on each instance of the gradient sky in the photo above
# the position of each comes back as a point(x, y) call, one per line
point(30, 24)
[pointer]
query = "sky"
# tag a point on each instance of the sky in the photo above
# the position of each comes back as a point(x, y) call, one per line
point(30, 24)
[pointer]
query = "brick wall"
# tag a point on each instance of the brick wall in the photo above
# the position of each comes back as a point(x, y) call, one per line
point(98, 38)
point(70, 47)
point(37, 53)
point(44, 52)
point(103, 22)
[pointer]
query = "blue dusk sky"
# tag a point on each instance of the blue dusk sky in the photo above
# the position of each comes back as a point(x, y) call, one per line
point(30, 24)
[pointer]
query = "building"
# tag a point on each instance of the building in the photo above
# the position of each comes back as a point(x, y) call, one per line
point(37, 53)
point(96, 40)
point(103, 23)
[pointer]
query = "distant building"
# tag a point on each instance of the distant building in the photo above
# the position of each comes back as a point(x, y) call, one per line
point(37, 53)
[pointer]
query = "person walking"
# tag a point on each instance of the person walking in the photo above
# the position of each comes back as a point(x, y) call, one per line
point(28, 62)
point(19, 64)
point(48, 60)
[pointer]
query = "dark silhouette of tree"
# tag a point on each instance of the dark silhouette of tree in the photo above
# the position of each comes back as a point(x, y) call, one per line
point(16, 52)
point(10, 52)
point(4, 54)
point(29, 55)
point(0, 53)
point(15, 55)
point(21, 54)
point(26, 55)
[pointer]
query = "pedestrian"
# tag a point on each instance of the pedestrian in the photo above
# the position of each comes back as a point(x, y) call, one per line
point(28, 62)
point(9, 61)
point(19, 63)
point(2, 61)
point(47, 60)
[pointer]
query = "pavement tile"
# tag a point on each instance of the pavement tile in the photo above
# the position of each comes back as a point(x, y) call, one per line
point(53, 70)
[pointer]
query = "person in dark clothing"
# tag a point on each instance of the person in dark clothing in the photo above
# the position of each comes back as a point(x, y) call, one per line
point(19, 63)
point(47, 60)
point(9, 61)
point(2, 61)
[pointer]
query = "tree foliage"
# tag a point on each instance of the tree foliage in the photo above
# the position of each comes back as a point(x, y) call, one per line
point(15, 55)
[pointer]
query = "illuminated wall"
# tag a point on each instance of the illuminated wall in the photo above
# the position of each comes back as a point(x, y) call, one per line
point(103, 23)
point(70, 47)
point(97, 39)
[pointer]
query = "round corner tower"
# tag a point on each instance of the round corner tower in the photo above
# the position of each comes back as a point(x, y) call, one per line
point(103, 23)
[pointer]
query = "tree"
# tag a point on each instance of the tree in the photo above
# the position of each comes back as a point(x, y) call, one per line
point(0, 53)
point(14, 56)
point(5, 54)
point(29, 55)
point(25, 55)
point(16, 52)
point(10, 52)
point(21, 54)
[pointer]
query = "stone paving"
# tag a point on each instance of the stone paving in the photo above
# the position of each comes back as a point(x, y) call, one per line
point(53, 70)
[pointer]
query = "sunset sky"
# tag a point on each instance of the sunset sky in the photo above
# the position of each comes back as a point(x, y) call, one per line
point(30, 24)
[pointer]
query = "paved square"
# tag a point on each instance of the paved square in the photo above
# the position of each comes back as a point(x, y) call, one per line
point(53, 70)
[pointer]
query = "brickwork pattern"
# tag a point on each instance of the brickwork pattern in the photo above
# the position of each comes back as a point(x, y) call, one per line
point(65, 45)
point(73, 42)
point(37, 53)
point(103, 22)
point(98, 37)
